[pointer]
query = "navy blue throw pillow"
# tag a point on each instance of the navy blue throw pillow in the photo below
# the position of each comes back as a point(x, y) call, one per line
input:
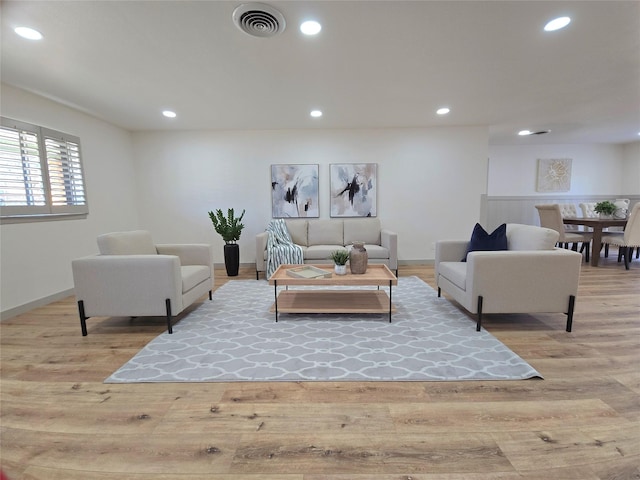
point(483, 241)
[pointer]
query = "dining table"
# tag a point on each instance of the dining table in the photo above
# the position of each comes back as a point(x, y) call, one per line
point(597, 224)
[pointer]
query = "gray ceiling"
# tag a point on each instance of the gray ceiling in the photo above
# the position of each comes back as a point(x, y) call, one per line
point(375, 64)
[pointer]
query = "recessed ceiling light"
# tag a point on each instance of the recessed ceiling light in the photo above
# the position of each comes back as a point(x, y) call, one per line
point(529, 132)
point(310, 27)
point(557, 24)
point(28, 33)
point(169, 114)
point(443, 111)
point(316, 113)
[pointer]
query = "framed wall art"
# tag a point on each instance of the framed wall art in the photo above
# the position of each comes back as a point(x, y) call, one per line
point(294, 191)
point(353, 189)
point(554, 175)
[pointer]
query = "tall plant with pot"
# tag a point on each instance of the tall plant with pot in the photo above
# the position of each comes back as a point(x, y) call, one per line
point(230, 228)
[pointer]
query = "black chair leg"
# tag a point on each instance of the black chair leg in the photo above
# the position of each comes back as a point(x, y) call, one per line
point(627, 255)
point(168, 305)
point(83, 318)
point(479, 322)
point(585, 248)
point(210, 298)
point(439, 292)
point(572, 303)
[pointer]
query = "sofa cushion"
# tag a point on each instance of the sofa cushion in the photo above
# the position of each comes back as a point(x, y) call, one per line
point(531, 237)
point(455, 272)
point(325, 232)
point(298, 231)
point(365, 230)
point(192, 275)
point(483, 241)
point(137, 242)
point(320, 252)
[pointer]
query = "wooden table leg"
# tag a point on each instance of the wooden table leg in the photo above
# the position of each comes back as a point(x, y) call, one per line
point(596, 245)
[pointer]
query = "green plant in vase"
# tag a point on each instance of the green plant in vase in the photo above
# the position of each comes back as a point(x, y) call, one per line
point(230, 229)
point(606, 208)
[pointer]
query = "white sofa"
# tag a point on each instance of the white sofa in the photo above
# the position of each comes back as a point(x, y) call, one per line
point(318, 238)
point(134, 277)
point(530, 276)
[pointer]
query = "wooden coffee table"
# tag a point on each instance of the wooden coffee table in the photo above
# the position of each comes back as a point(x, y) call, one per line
point(329, 300)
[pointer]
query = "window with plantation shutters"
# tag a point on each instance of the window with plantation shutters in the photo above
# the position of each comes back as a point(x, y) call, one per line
point(40, 172)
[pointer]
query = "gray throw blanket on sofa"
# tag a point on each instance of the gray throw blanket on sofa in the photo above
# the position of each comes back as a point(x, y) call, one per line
point(280, 247)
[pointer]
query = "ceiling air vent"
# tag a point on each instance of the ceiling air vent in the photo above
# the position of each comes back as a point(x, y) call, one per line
point(258, 20)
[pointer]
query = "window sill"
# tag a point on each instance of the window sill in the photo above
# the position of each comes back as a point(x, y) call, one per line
point(48, 217)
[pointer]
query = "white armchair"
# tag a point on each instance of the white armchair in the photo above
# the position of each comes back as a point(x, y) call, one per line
point(531, 276)
point(134, 277)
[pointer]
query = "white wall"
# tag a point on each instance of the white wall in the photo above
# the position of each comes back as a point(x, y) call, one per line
point(595, 169)
point(429, 180)
point(36, 257)
point(631, 168)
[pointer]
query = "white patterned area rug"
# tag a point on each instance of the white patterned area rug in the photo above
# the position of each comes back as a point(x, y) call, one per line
point(234, 337)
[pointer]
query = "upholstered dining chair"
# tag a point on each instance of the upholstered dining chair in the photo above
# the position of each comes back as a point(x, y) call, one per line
point(569, 210)
point(627, 240)
point(588, 209)
point(551, 217)
point(134, 277)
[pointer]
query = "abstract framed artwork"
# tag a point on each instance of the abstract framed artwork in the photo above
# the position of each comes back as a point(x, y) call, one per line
point(554, 175)
point(353, 189)
point(294, 191)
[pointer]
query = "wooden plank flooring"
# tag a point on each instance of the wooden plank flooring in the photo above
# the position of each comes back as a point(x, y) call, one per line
point(60, 422)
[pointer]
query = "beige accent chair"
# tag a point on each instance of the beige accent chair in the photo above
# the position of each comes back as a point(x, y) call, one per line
point(551, 217)
point(627, 240)
point(531, 276)
point(134, 277)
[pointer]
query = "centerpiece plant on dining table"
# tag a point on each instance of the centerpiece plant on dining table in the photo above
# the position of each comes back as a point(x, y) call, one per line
point(605, 208)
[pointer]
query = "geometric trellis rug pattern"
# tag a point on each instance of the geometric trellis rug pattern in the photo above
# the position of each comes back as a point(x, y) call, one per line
point(234, 338)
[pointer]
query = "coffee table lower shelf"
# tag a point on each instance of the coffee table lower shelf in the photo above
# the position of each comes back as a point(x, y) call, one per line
point(333, 301)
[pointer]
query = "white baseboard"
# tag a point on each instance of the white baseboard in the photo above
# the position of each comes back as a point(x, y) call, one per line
point(12, 312)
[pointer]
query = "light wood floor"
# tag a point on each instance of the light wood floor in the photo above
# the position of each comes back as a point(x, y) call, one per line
point(582, 422)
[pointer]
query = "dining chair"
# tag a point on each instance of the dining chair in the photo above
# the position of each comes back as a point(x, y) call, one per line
point(627, 240)
point(551, 217)
point(588, 209)
point(568, 210)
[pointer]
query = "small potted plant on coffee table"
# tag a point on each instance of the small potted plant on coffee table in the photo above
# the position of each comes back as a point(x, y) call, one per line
point(605, 209)
point(340, 258)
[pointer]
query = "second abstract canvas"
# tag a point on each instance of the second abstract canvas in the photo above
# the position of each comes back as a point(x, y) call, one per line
point(353, 189)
